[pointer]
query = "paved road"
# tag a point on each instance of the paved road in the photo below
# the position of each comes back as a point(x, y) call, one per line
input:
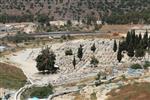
point(58, 34)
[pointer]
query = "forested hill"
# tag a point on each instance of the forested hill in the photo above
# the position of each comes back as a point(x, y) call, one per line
point(110, 11)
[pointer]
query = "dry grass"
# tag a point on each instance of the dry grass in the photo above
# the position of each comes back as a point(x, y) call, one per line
point(11, 77)
point(136, 91)
point(80, 82)
point(78, 96)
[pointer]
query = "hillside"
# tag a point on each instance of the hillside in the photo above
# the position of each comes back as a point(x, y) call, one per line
point(110, 11)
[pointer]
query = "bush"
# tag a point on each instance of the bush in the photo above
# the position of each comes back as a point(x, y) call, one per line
point(146, 65)
point(68, 52)
point(98, 76)
point(136, 66)
point(42, 92)
point(93, 96)
point(19, 38)
point(94, 61)
point(64, 37)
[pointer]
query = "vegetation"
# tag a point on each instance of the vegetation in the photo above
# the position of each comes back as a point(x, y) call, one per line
point(94, 61)
point(146, 65)
point(87, 11)
point(39, 92)
point(74, 62)
point(19, 38)
point(98, 79)
point(134, 45)
point(46, 61)
point(11, 77)
point(119, 56)
point(42, 92)
point(136, 66)
point(80, 52)
point(93, 48)
point(115, 46)
point(68, 52)
point(93, 96)
point(66, 37)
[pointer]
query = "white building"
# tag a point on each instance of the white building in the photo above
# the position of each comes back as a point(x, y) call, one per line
point(58, 23)
point(64, 22)
point(99, 22)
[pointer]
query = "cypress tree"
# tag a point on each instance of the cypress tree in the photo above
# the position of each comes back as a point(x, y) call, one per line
point(149, 43)
point(128, 37)
point(130, 49)
point(139, 52)
point(140, 37)
point(115, 46)
point(119, 55)
point(74, 62)
point(133, 37)
point(137, 41)
point(80, 52)
point(145, 39)
point(123, 46)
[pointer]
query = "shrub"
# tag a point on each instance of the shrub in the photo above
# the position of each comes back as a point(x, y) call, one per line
point(64, 37)
point(98, 83)
point(68, 52)
point(136, 66)
point(94, 61)
point(93, 96)
point(147, 64)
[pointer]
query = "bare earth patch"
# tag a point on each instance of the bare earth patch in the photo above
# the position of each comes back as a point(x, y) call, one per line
point(136, 91)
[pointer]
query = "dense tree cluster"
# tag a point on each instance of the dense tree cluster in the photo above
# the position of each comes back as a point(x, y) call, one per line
point(134, 45)
point(46, 61)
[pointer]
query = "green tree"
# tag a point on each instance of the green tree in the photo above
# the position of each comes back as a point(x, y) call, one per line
point(115, 46)
point(149, 43)
point(140, 52)
point(93, 47)
point(80, 52)
point(74, 62)
point(145, 39)
point(43, 19)
point(130, 49)
point(128, 37)
point(46, 61)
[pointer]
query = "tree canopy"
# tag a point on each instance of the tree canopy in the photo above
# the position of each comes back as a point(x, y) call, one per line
point(46, 61)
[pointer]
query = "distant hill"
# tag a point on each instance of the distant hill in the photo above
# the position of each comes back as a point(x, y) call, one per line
point(110, 11)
